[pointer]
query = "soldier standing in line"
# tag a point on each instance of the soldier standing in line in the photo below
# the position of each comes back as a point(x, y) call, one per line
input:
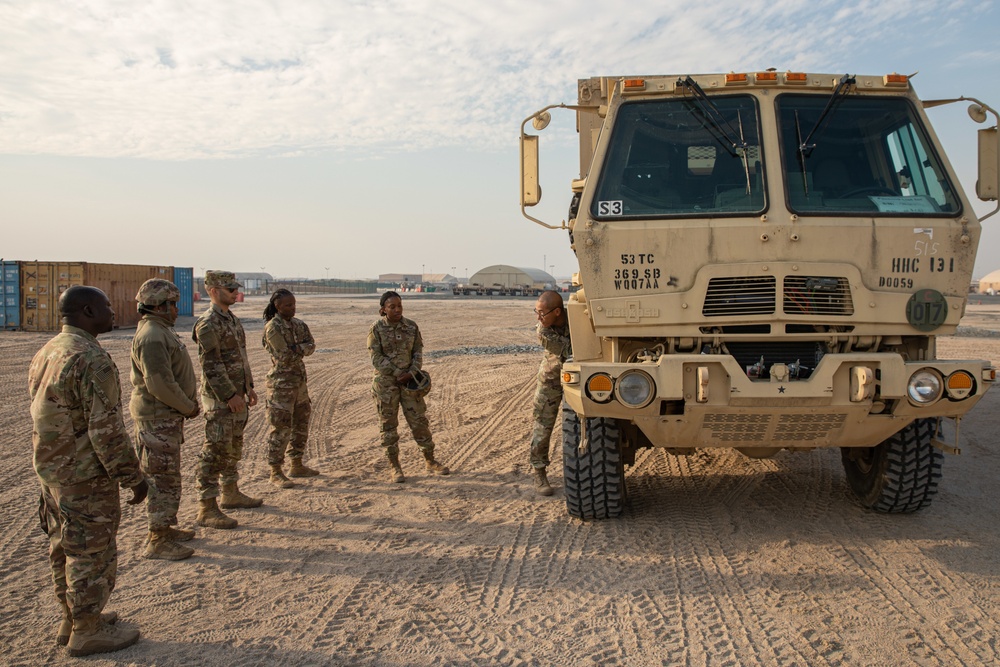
point(397, 352)
point(553, 334)
point(227, 394)
point(164, 394)
point(82, 454)
point(287, 339)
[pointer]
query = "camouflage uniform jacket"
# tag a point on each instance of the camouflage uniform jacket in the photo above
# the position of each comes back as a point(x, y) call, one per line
point(279, 337)
point(395, 349)
point(222, 352)
point(163, 381)
point(78, 432)
point(558, 348)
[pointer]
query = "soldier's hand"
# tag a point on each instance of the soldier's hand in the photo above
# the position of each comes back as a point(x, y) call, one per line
point(194, 413)
point(404, 378)
point(251, 398)
point(139, 492)
point(236, 403)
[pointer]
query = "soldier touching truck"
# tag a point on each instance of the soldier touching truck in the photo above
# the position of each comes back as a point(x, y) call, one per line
point(82, 454)
point(164, 394)
point(553, 334)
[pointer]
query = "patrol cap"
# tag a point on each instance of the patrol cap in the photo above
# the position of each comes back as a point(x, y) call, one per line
point(156, 291)
point(225, 279)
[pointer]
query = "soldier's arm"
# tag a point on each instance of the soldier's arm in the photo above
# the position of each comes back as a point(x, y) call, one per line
point(276, 345)
point(154, 363)
point(100, 396)
point(417, 354)
point(307, 345)
point(380, 361)
point(213, 369)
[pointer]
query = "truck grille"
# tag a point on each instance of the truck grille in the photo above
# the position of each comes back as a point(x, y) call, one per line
point(817, 295)
point(739, 296)
point(788, 430)
point(801, 295)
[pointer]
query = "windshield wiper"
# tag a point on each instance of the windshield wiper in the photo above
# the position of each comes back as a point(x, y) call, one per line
point(805, 148)
point(736, 147)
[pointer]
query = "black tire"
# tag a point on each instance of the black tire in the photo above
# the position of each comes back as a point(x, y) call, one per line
point(594, 480)
point(901, 474)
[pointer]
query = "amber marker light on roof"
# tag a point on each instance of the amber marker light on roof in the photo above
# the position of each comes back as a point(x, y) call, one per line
point(896, 79)
point(635, 84)
point(796, 77)
point(766, 77)
point(734, 78)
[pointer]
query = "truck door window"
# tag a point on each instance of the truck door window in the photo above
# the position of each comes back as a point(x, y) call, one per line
point(667, 159)
point(871, 154)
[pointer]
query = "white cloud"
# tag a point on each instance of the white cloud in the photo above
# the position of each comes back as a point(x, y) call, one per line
point(173, 80)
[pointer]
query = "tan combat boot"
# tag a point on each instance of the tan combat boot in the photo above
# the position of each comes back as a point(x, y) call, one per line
point(210, 516)
point(66, 625)
point(161, 547)
point(298, 469)
point(180, 534)
point(278, 477)
point(233, 497)
point(395, 470)
point(435, 467)
point(91, 635)
point(542, 486)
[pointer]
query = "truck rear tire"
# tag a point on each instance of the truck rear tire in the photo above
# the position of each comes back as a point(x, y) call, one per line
point(901, 474)
point(594, 480)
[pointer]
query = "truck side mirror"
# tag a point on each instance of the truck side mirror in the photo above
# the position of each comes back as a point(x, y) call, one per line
point(531, 191)
point(988, 184)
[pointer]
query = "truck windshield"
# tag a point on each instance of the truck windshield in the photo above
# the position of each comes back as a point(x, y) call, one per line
point(868, 154)
point(669, 158)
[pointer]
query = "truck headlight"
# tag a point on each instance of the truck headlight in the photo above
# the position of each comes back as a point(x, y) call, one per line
point(924, 387)
point(600, 387)
point(635, 389)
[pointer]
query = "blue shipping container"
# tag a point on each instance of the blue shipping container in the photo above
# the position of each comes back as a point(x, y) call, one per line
point(184, 279)
point(10, 291)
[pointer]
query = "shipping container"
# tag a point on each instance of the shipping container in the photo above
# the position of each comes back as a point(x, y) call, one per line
point(10, 292)
point(184, 279)
point(41, 285)
point(43, 282)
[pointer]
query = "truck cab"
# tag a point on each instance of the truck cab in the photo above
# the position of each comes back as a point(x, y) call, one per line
point(765, 262)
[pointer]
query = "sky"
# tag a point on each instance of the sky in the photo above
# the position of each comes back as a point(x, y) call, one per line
point(346, 139)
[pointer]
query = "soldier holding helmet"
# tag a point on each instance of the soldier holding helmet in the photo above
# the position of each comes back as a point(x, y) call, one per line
point(397, 352)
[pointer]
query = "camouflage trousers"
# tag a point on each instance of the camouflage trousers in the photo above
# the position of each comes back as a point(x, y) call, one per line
point(82, 524)
point(288, 410)
point(222, 451)
point(158, 446)
point(548, 398)
point(388, 400)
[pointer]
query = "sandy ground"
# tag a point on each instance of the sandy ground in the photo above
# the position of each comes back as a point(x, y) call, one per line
point(718, 560)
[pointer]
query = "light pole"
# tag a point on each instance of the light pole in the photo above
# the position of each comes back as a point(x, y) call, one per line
point(327, 272)
point(422, 271)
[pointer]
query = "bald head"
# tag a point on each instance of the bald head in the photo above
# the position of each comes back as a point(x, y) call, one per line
point(549, 309)
point(87, 308)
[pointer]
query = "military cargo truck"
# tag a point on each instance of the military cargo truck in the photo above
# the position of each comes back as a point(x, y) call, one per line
point(765, 262)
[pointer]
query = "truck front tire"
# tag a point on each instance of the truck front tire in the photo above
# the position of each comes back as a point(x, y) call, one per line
point(594, 478)
point(901, 474)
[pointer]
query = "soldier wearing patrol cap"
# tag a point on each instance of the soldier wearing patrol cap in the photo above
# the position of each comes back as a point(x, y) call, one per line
point(227, 393)
point(82, 455)
point(164, 394)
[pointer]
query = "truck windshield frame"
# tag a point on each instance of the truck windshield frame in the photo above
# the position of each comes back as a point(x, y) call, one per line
point(667, 159)
point(871, 155)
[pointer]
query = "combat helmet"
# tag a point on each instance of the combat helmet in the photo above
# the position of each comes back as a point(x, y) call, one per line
point(418, 385)
point(156, 291)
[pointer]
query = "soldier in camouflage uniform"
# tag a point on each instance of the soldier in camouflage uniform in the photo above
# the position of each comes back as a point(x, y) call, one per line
point(553, 334)
point(227, 394)
point(287, 339)
point(164, 394)
point(397, 352)
point(82, 454)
